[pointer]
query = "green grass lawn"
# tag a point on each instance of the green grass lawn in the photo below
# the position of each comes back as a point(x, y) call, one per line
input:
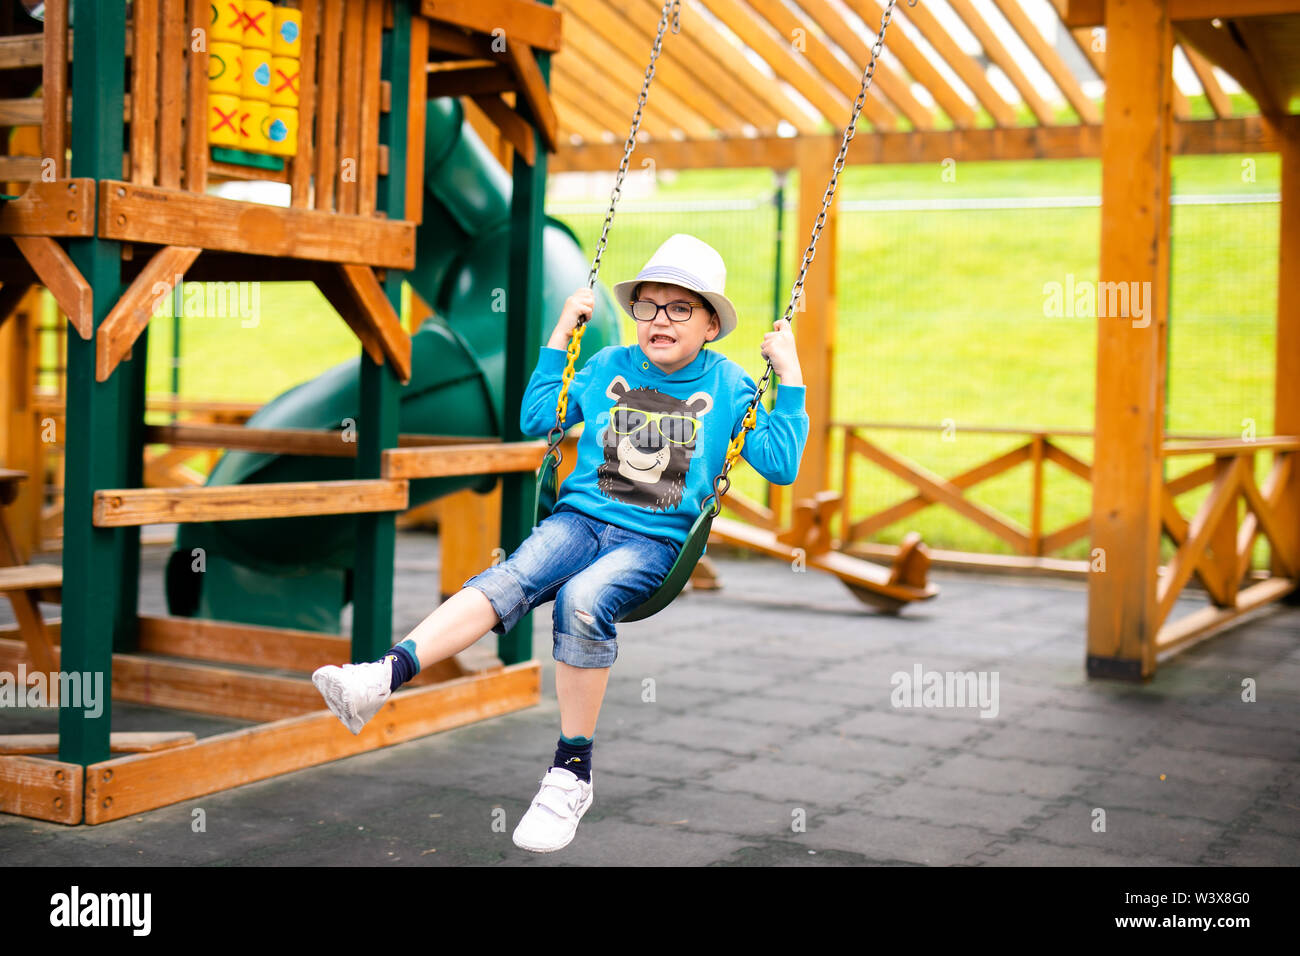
point(940, 316)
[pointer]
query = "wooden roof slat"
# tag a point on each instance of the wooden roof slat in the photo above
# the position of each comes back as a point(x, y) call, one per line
point(699, 62)
point(998, 54)
point(745, 24)
point(1051, 60)
point(576, 81)
point(618, 98)
point(573, 119)
point(971, 73)
point(885, 83)
point(912, 59)
point(1082, 37)
point(618, 32)
point(1204, 70)
point(620, 68)
point(762, 86)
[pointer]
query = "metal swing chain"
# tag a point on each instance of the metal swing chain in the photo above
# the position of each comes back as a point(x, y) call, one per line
point(672, 9)
point(722, 484)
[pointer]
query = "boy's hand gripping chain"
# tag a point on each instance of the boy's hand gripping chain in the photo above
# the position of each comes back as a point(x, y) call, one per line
point(672, 9)
point(722, 483)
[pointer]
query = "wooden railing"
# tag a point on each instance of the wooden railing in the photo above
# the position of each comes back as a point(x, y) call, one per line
point(1215, 547)
point(1039, 449)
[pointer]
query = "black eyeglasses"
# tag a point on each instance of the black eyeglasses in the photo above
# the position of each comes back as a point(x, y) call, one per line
point(643, 310)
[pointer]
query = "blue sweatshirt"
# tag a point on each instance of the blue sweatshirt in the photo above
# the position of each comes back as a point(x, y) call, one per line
point(654, 443)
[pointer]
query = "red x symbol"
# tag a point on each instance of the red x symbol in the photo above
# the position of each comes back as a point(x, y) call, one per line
point(239, 14)
point(250, 23)
point(290, 83)
point(225, 119)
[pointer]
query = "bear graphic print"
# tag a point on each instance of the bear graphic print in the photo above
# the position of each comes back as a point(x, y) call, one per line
point(648, 445)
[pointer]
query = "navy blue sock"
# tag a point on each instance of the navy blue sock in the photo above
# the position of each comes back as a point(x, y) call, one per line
point(405, 664)
point(574, 753)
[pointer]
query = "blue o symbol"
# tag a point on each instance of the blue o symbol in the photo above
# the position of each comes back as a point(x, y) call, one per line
point(288, 31)
point(262, 74)
point(277, 132)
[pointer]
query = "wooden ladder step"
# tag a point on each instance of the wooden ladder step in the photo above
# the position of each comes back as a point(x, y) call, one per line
point(30, 577)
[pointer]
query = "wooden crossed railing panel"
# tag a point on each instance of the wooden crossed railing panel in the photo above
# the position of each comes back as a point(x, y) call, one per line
point(1211, 545)
point(933, 489)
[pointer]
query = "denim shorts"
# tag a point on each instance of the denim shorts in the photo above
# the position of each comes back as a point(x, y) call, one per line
point(592, 570)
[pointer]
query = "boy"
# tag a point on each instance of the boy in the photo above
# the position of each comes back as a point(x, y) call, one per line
point(660, 415)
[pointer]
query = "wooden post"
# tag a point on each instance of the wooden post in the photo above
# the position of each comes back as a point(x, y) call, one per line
point(814, 324)
point(1286, 408)
point(1123, 616)
point(372, 621)
point(524, 335)
point(92, 576)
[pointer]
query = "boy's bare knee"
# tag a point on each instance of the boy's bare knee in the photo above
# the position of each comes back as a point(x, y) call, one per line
point(584, 616)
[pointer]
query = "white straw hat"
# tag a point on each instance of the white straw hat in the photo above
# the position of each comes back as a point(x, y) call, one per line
point(692, 264)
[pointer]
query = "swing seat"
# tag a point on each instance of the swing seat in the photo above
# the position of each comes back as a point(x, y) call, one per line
point(678, 574)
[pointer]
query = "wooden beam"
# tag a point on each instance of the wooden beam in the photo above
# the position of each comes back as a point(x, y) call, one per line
point(42, 789)
point(525, 23)
point(517, 131)
point(129, 317)
point(1286, 377)
point(998, 54)
point(1210, 620)
point(885, 83)
point(483, 459)
point(1050, 60)
point(196, 134)
point(128, 785)
point(1221, 48)
point(711, 43)
point(815, 321)
point(1088, 13)
point(60, 275)
point(64, 208)
point(54, 83)
point(532, 87)
point(470, 81)
point(383, 319)
point(743, 22)
point(131, 213)
point(327, 109)
point(581, 83)
point(1123, 613)
point(1231, 447)
point(616, 70)
point(417, 117)
point(912, 59)
point(1199, 137)
point(586, 21)
point(970, 72)
point(119, 743)
point(350, 97)
point(126, 507)
point(701, 63)
point(171, 93)
point(1204, 70)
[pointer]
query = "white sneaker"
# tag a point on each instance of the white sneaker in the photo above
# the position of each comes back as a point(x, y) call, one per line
point(355, 692)
point(552, 820)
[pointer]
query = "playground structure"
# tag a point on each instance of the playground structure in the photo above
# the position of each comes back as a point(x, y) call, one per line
point(128, 232)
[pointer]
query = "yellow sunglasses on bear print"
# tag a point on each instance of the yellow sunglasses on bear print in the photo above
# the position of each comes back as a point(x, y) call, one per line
point(675, 428)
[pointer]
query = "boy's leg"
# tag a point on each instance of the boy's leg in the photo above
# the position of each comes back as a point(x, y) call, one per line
point(580, 690)
point(586, 607)
point(492, 600)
